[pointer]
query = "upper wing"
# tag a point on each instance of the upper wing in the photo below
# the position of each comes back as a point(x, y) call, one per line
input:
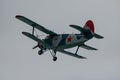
point(35, 25)
point(72, 54)
point(88, 47)
point(33, 37)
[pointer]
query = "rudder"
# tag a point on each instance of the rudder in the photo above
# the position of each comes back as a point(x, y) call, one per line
point(89, 25)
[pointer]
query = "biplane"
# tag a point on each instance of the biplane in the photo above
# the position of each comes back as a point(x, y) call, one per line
point(59, 42)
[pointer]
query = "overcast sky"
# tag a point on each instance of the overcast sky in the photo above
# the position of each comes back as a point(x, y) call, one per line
point(18, 61)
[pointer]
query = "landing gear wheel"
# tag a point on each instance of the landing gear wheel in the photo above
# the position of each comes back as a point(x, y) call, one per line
point(54, 58)
point(40, 52)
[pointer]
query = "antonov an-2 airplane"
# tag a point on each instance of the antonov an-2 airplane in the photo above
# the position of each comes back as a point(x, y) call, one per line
point(58, 42)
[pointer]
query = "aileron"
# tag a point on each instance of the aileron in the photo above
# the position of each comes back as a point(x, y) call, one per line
point(72, 54)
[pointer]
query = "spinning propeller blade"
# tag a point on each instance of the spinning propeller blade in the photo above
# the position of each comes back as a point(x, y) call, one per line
point(38, 45)
point(35, 47)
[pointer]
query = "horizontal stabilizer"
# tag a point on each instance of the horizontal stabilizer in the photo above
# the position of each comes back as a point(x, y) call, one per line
point(33, 37)
point(88, 47)
point(98, 36)
point(83, 30)
point(72, 54)
point(77, 28)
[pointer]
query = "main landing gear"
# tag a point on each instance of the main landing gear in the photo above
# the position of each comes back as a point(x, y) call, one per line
point(40, 52)
point(54, 58)
point(77, 49)
point(53, 53)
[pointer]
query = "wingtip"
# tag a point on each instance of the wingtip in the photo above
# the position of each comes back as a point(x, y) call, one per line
point(17, 16)
point(23, 32)
point(70, 25)
point(26, 33)
point(83, 57)
point(95, 49)
point(98, 36)
point(74, 26)
point(102, 37)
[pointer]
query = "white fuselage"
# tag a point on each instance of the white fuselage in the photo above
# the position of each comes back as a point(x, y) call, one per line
point(64, 41)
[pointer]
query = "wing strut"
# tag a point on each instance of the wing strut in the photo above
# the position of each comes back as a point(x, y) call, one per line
point(33, 30)
point(77, 49)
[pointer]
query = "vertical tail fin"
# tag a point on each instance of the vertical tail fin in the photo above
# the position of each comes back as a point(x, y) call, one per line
point(89, 25)
point(88, 30)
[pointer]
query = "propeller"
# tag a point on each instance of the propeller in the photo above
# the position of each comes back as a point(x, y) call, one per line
point(34, 32)
point(38, 45)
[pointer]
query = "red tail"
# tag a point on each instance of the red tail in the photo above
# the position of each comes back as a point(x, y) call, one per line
point(89, 25)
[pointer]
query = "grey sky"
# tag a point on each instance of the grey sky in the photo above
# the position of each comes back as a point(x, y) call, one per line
point(19, 62)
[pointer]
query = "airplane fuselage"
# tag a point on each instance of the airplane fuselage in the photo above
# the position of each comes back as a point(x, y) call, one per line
point(64, 41)
point(59, 42)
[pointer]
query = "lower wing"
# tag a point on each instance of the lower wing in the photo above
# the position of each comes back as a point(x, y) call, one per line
point(87, 47)
point(33, 37)
point(72, 54)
